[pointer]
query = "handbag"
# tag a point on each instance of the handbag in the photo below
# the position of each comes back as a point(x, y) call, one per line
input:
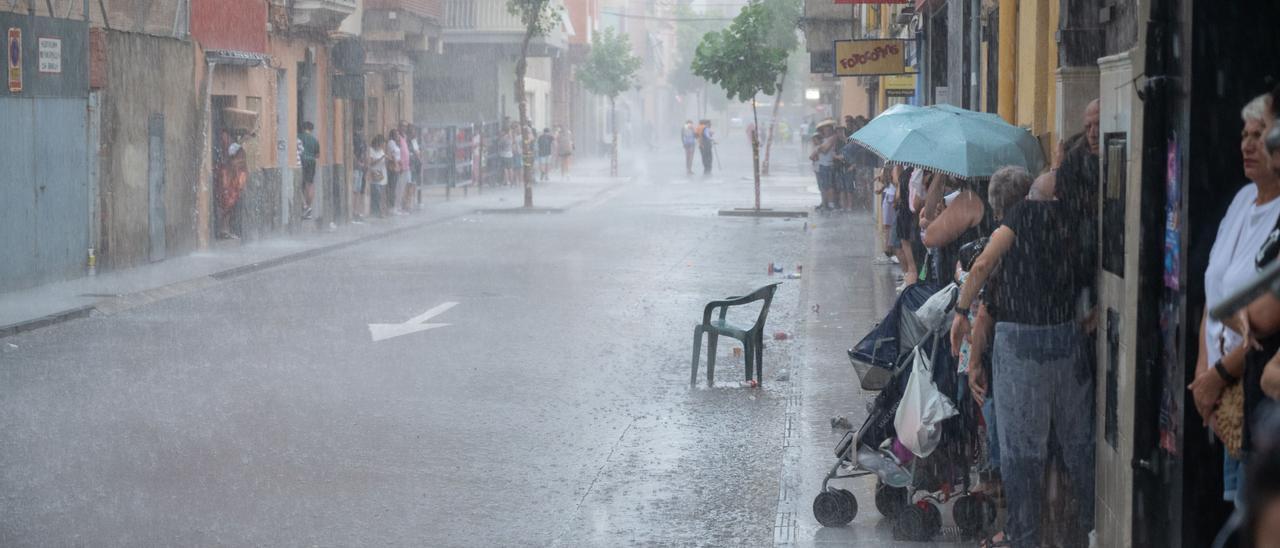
point(377, 175)
point(1229, 421)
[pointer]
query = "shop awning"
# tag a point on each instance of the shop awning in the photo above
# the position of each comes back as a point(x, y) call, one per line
point(234, 57)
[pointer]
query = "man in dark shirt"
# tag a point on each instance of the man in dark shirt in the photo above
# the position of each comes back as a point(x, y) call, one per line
point(1077, 189)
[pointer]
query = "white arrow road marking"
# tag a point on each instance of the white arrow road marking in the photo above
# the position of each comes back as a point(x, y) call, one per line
point(383, 331)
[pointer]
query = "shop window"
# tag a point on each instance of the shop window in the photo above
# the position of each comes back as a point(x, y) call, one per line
point(1114, 173)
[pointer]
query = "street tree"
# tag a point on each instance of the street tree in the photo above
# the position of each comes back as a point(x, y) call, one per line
point(610, 70)
point(745, 61)
point(538, 17)
point(784, 17)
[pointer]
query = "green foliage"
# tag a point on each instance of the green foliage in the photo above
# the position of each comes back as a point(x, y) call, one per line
point(744, 58)
point(610, 69)
point(783, 20)
point(540, 16)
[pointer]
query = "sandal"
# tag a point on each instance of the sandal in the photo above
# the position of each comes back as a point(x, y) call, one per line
point(992, 542)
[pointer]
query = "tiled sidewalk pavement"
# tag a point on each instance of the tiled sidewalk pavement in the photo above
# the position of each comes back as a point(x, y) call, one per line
point(845, 295)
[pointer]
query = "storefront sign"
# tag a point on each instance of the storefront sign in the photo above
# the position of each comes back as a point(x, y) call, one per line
point(14, 56)
point(870, 57)
point(900, 85)
point(50, 56)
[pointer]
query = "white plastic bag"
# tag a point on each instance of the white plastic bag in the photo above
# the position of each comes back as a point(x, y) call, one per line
point(933, 313)
point(922, 409)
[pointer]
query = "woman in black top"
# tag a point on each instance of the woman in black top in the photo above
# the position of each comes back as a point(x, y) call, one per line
point(949, 222)
point(1041, 383)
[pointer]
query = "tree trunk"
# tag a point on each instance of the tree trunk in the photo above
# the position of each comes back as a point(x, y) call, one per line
point(768, 147)
point(526, 160)
point(755, 150)
point(613, 122)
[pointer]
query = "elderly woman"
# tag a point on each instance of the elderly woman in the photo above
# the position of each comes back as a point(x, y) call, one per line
point(1233, 261)
point(1041, 383)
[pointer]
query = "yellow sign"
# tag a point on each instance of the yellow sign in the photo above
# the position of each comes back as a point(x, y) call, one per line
point(899, 85)
point(870, 57)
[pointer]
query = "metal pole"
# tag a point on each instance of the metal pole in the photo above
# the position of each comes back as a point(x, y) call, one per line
point(975, 46)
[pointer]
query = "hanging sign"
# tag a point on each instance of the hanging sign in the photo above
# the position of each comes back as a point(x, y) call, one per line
point(13, 53)
point(50, 55)
point(870, 57)
point(899, 85)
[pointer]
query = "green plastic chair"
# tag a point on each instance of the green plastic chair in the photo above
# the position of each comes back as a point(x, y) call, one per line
point(752, 338)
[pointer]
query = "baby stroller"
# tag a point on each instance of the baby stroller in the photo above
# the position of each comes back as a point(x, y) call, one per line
point(910, 493)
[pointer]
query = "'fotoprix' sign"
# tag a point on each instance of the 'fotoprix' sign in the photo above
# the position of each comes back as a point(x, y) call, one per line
point(870, 57)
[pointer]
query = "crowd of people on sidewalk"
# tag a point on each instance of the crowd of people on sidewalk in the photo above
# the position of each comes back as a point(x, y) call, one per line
point(1020, 253)
point(845, 169)
point(388, 170)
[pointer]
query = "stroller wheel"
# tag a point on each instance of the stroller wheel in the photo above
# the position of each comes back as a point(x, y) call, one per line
point(851, 506)
point(968, 513)
point(890, 500)
point(932, 520)
point(830, 509)
point(910, 525)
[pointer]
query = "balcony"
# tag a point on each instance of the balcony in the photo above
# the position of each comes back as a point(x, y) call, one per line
point(322, 15)
point(426, 9)
point(488, 22)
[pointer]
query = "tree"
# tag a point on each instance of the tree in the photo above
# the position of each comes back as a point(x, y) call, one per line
point(785, 17)
point(538, 18)
point(744, 60)
point(609, 70)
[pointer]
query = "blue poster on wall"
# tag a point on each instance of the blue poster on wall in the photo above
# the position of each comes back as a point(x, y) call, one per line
point(1173, 218)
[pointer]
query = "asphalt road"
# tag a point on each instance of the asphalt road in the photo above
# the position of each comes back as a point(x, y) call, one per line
point(552, 409)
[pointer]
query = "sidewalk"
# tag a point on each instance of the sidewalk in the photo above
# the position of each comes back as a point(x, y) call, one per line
point(845, 295)
point(111, 292)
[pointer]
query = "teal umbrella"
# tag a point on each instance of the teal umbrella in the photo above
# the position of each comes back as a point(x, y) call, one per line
point(951, 140)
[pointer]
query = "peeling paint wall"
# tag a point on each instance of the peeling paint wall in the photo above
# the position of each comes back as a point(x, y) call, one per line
point(164, 84)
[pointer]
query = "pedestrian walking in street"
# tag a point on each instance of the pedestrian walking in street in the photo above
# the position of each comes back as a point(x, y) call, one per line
point(888, 236)
point(308, 154)
point(379, 175)
point(1043, 386)
point(689, 138)
point(232, 175)
point(706, 145)
point(565, 149)
point(546, 147)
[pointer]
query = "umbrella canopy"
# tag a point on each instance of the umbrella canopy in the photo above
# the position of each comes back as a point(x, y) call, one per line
point(950, 140)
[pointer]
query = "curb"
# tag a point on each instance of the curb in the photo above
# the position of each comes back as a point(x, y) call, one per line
point(45, 321)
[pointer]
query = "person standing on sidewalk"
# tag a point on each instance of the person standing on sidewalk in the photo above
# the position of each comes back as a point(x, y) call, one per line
point(1043, 385)
point(393, 171)
point(546, 146)
point(232, 174)
point(308, 153)
point(564, 147)
point(378, 175)
point(689, 139)
point(824, 153)
point(359, 177)
point(706, 145)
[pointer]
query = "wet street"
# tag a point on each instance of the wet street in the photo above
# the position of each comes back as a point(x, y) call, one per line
point(488, 378)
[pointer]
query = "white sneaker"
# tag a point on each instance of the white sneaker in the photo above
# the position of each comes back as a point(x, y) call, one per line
point(881, 260)
point(894, 260)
